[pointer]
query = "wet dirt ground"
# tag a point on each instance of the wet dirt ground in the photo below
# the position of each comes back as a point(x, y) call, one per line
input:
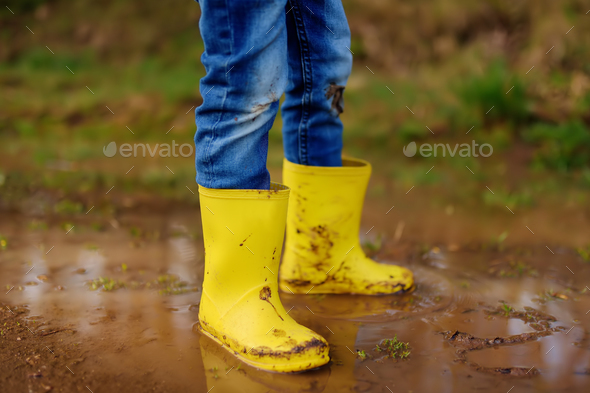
point(486, 316)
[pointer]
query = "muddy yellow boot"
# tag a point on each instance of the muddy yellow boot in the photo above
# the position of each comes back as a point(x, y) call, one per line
point(322, 249)
point(240, 308)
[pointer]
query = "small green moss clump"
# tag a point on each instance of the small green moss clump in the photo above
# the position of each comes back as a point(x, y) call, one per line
point(361, 354)
point(584, 252)
point(506, 309)
point(106, 284)
point(166, 284)
point(394, 348)
point(515, 269)
point(172, 285)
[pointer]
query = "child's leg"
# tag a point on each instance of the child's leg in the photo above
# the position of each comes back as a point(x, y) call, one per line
point(319, 65)
point(322, 249)
point(243, 214)
point(245, 58)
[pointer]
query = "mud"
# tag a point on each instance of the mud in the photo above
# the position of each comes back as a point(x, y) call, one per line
point(468, 326)
point(467, 342)
point(313, 345)
point(265, 294)
point(335, 92)
point(509, 371)
point(41, 355)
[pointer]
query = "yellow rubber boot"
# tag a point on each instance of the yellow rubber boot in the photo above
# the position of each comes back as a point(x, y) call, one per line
point(322, 250)
point(240, 308)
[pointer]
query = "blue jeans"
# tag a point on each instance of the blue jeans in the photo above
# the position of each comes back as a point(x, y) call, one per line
point(254, 52)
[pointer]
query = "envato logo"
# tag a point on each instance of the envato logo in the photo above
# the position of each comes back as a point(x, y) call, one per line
point(464, 150)
point(140, 149)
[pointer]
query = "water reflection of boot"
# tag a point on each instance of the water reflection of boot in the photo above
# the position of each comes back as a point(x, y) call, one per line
point(322, 250)
point(352, 322)
point(228, 375)
point(433, 292)
point(240, 306)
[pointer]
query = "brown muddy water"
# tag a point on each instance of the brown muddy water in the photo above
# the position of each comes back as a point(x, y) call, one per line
point(486, 317)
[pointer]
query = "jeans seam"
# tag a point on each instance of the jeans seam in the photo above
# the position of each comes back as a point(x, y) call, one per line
point(302, 130)
point(214, 128)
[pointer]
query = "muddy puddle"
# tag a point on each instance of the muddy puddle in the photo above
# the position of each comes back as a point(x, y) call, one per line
point(109, 305)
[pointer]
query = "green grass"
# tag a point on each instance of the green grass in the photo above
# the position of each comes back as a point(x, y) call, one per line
point(560, 146)
point(53, 128)
point(497, 94)
point(502, 198)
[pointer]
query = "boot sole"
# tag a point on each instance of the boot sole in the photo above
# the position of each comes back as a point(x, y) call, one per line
point(288, 368)
point(319, 289)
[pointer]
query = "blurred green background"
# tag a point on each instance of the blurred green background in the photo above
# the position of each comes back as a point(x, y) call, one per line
point(436, 64)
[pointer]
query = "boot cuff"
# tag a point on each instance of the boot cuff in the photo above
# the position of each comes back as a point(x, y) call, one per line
point(277, 191)
point(350, 167)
